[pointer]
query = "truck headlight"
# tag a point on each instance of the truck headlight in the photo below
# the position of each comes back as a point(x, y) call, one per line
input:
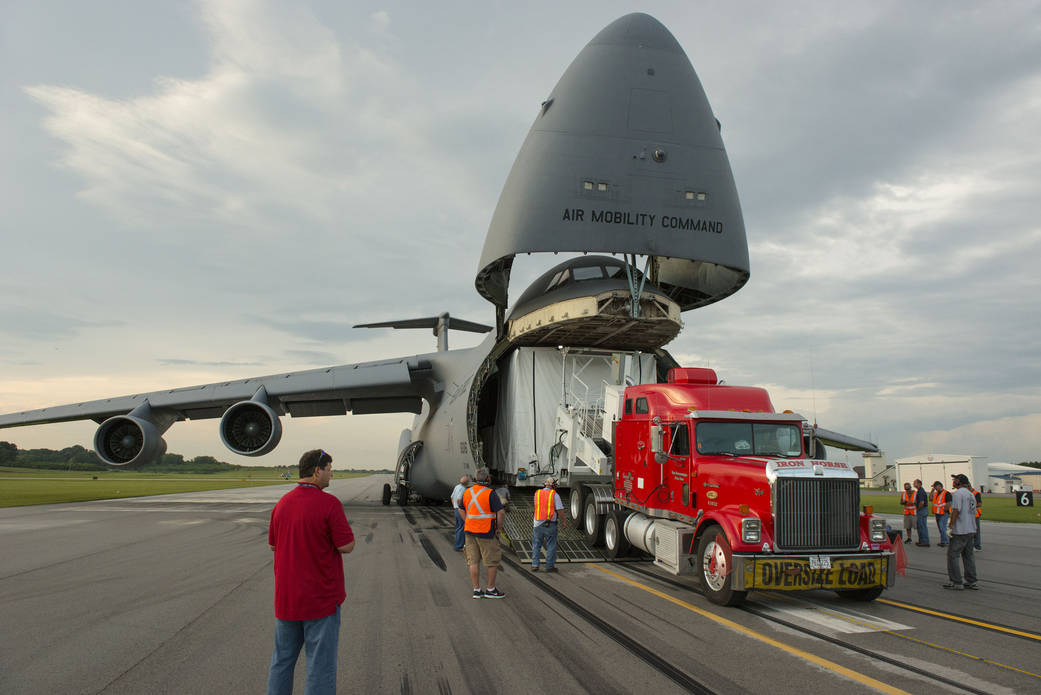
point(750, 530)
point(878, 530)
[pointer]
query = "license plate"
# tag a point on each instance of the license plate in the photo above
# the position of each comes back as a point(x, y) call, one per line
point(820, 562)
point(788, 574)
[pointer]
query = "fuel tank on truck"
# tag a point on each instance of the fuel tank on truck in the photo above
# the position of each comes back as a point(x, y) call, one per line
point(625, 156)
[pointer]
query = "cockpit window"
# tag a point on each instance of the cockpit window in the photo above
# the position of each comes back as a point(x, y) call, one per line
point(749, 438)
point(592, 272)
point(559, 279)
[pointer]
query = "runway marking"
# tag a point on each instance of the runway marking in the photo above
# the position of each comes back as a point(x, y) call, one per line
point(825, 663)
point(836, 621)
point(867, 622)
point(960, 619)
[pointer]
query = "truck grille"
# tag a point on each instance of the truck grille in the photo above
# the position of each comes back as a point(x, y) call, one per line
point(816, 514)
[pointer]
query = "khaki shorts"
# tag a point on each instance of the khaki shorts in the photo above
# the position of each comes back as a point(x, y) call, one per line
point(909, 522)
point(479, 549)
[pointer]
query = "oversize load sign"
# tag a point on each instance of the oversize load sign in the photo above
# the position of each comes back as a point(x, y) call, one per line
point(789, 574)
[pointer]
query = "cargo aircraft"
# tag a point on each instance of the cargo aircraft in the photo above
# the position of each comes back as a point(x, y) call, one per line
point(625, 160)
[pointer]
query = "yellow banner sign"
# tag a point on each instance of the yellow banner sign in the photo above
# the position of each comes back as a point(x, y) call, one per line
point(790, 574)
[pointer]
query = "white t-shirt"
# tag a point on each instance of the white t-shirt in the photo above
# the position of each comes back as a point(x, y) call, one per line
point(457, 495)
point(965, 503)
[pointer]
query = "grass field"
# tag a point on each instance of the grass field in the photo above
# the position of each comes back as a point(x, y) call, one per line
point(994, 508)
point(20, 487)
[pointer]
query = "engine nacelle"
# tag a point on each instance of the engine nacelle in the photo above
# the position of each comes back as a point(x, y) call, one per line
point(250, 428)
point(126, 440)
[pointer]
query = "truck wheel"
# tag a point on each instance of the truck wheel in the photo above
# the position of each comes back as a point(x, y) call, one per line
point(593, 523)
point(402, 495)
point(577, 503)
point(869, 594)
point(386, 494)
point(614, 535)
point(716, 568)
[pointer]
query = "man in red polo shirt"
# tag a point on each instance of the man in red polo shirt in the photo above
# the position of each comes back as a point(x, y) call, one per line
point(308, 534)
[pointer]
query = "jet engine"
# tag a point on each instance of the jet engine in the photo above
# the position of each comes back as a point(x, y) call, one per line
point(128, 440)
point(250, 428)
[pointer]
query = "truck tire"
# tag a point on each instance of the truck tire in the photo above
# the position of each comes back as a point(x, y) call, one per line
point(869, 594)
point(615, 542)
point(716, 561)
point(386, 494)
point(577, 505)
point(593, 523)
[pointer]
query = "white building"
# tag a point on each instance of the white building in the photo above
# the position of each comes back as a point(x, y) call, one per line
point(932, 467)
point(877, 472)
point(1012, 477)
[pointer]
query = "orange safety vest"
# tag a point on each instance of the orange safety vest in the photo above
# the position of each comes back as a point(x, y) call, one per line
point(979, 503)
point(545, 507)
point(907, 499)
point(940, 502)
point(478, 504)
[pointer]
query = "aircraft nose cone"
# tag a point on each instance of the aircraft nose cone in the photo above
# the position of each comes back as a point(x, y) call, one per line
point(638, 29)
point(127, 441)
point(252, 429)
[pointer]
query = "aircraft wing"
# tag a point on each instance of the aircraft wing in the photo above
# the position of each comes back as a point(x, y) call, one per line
point(843, 441)
point(133, 424)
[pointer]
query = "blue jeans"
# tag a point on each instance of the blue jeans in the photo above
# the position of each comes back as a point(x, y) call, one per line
point(961, 547)
point(941, 523)
point(460, 537)
point(979, 536)
point(922, 517)
point(322, 637)
point(544, 533)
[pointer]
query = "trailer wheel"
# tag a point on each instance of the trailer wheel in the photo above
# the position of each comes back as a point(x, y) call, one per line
point(614, 535)
point(386, 494)
point(869, 594)
point(577, 503)
point(402, 495)
point(593, 523)
point(717, 567)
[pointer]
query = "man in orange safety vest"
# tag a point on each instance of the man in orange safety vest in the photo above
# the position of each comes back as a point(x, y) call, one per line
point(907, 501)
point(483, 515)
point(549, 517)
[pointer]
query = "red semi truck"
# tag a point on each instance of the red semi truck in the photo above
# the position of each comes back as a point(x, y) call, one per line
point(709, 480)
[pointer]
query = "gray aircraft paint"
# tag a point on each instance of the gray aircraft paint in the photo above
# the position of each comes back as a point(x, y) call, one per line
point(630, 120)
point(603, 123)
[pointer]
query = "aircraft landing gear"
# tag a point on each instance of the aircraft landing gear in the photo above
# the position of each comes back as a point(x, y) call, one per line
point(386, 494)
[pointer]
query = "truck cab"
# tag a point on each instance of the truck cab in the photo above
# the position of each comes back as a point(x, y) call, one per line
point(710, 480)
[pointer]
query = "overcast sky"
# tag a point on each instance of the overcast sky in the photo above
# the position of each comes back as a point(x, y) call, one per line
point(199, 191)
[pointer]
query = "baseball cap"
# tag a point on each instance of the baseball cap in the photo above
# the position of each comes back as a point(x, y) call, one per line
point(961, 478)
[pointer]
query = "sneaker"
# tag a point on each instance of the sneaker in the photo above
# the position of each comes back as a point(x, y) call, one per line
point(952, 585)
point(478, 593)
point(974, 587)
point(908, 540)
point(942, 545)
point(492, 593)
point(535, 568)
point(923, 545)
point(551, 569)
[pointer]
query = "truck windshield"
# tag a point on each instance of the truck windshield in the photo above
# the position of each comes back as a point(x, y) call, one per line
point(749, 438)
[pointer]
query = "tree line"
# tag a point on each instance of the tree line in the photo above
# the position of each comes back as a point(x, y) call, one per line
point(78, 458)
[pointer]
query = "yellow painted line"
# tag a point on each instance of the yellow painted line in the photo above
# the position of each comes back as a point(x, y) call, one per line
point(830, 665)
point(960, 619)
